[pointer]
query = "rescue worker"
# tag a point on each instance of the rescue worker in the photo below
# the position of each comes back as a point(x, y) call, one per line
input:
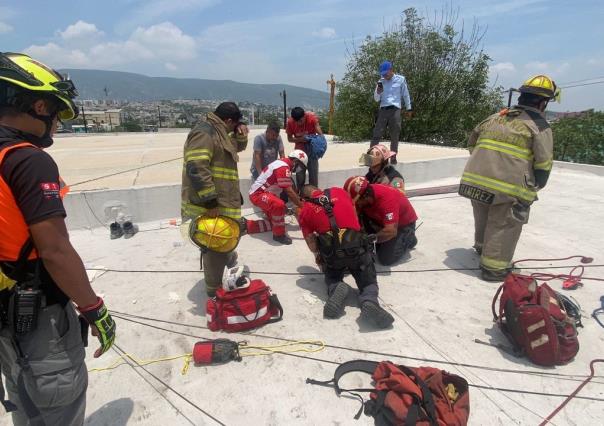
point(274, 179)
point(379, 170)
point(210, 180)
point(386, 212)
point(41, 337)
point(333, 234)
point(512, 156)
point(300, 125)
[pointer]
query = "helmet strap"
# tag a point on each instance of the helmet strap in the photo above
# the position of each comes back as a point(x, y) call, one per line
point(45, 140)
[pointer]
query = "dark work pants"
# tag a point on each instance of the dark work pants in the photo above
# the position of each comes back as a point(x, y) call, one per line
point(55, 378)
point(392, 251)
point(362, 270)
point(313, 171)
point(390, 118)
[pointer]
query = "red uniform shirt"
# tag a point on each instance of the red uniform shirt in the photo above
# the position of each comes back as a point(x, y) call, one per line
point(314, 219)
point(309, 126)
point(390, 206)
point(274, 178)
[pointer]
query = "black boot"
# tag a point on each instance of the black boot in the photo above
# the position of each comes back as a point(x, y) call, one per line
point(376, 314)
point(283, 239)
point(334, 307)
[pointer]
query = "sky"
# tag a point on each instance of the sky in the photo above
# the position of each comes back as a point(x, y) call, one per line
point(302, 42)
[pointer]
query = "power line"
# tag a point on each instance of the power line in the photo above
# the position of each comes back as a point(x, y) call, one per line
point(581, 85)
point(581, 81)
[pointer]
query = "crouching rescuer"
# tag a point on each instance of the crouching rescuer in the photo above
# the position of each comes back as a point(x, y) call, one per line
point(333, 234)
point(512, 156)
point(42, 338)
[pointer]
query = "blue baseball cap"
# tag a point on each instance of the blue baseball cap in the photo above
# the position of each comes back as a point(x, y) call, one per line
point(385, 67)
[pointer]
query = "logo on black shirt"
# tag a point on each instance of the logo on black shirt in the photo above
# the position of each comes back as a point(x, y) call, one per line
point(50, 190)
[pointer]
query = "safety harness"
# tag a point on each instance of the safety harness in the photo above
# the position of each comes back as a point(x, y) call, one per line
point(342, 243)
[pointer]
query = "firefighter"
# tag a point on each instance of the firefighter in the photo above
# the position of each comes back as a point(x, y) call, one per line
point(379, 170)
point(265, 192)
point(386, 212)
point(210, 181)
point(41, 337)
point(333, 234)
point(511, 159)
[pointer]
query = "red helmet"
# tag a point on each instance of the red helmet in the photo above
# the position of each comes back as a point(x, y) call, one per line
point(356, 186)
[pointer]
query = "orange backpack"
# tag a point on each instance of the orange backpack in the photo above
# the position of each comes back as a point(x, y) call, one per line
point(402, 395)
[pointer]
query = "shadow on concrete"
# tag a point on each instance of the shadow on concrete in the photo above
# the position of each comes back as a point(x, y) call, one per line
point(462, 258)
point(198, 296)
point(316, 285)
point(114, 413)
point(500, 343)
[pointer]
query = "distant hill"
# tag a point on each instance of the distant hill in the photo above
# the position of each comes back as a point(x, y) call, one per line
point(138, 87)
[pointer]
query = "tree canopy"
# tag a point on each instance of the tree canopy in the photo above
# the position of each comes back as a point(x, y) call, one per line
point(446, 71)
point(580, 139)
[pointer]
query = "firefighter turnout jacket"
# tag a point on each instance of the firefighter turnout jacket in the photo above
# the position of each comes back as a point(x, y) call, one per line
point(209, 177)
point(511, 157)
point(388, 175)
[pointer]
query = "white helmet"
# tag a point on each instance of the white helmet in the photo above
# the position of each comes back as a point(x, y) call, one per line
point(235, 278)
point(298, 154)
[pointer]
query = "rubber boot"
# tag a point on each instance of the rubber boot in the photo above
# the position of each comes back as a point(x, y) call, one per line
point(376, 314)
point(334, 307)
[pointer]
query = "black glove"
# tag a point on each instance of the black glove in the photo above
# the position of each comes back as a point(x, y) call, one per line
point(98, 316)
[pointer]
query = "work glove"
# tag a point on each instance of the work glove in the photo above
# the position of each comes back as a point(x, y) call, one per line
point(103, 326)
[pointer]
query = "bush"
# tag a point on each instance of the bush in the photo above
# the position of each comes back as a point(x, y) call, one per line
point(447, 75)
point(580, 139)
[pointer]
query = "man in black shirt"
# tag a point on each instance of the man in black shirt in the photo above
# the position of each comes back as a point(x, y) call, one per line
point(41, 338)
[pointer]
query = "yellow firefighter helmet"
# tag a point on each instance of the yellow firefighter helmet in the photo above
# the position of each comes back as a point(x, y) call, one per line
point(220, 234)
point(541, 85)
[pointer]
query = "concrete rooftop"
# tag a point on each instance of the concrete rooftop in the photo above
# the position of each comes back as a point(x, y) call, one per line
point(439, 312)
point(84, 157)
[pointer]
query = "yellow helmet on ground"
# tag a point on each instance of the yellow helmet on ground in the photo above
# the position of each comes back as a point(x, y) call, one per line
point(220, 234)
point(24, 74)
point(541, 85)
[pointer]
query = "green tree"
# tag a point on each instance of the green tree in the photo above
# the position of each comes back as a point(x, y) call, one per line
point(580, 139)
point(447, 75)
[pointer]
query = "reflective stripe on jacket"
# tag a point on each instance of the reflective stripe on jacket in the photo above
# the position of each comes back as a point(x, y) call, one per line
point(506, 149)
point(210, 177)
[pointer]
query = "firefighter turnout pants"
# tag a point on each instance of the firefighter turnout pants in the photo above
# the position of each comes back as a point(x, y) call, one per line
point(213, 264)
point(496, 233)
point(48, 380)
point(273, 207)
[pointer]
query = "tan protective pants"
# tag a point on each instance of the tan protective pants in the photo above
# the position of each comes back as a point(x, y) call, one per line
point(213, 266)
point(496, 232)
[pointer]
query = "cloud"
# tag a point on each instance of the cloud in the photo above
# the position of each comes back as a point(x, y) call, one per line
point(80, 29)
point(149, 11)
point(170, 66)
point(325, 32)
point(547, 67)
point(161, 43)
point(503, 68)
point(5, 28)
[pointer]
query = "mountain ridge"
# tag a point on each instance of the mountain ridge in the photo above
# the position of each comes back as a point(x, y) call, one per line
point(128, 86)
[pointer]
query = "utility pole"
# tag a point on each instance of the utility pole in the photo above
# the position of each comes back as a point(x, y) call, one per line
point(332, 86)
point(284, 96)
point(510, 92)
point(159, 116)
point(84, 118)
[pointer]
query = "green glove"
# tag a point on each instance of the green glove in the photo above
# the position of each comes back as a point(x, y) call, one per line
point(102, 324)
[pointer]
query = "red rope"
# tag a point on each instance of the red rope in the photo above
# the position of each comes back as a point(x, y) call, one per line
point(575, 392)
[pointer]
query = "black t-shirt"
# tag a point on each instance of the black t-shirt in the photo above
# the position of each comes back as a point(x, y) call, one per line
point(33, 177)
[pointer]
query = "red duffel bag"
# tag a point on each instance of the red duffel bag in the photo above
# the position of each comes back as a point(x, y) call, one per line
point(534, 319)
point(243, 308)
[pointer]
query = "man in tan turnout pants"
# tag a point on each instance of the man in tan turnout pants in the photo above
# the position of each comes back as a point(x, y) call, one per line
point(512, 156)
point(210, 181)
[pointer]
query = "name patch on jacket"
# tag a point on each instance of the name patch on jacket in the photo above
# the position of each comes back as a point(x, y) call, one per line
point(50, 190)
point(476, 194)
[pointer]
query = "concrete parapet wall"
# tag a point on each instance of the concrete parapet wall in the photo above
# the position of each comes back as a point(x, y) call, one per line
point(87, 209)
